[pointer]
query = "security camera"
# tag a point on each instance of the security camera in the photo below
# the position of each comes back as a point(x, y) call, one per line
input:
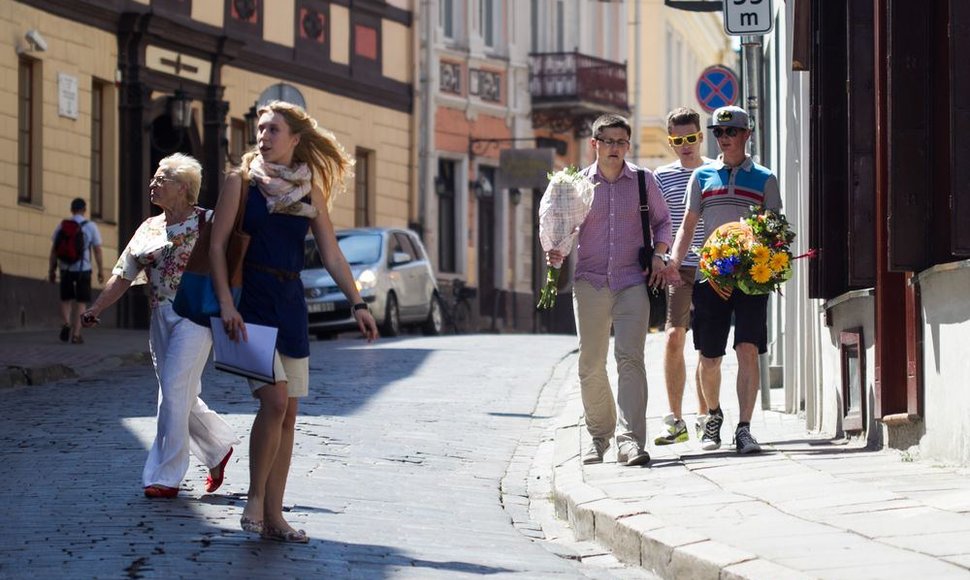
point(36, 41)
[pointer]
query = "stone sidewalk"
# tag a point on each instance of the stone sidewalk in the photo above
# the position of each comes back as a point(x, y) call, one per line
point(808, 506)
point(36, 357)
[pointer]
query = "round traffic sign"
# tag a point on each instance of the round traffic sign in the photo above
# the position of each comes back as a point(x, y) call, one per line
point(717, 86)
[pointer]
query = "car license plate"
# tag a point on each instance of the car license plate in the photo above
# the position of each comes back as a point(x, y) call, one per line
point(321, 307)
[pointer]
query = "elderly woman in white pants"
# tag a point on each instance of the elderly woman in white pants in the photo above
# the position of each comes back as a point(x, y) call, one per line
point(157, 253)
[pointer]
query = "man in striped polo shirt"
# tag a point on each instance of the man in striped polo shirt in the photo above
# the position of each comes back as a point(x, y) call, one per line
point(721, 192)
point(609, 292)
point(685, 137)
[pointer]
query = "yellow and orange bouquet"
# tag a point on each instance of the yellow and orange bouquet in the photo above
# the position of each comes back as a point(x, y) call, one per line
point(753, 255)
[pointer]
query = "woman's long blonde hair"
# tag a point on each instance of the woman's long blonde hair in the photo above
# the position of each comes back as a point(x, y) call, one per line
point(328, 160)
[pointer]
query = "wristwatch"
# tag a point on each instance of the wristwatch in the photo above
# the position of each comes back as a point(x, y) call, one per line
point(664, 257)
point(360, 306)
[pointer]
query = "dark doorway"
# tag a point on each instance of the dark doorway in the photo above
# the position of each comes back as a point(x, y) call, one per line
point(485, 193)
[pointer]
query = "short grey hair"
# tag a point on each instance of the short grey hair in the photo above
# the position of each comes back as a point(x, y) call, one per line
point(185, 169)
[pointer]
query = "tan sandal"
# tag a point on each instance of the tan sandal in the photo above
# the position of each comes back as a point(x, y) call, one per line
point(289, 536)
point(250, 525)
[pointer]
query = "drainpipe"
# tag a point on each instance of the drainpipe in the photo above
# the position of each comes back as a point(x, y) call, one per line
point(424, 138)
point(636, 88)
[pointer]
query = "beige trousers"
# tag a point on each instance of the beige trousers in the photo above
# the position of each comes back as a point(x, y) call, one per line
point(628, 312)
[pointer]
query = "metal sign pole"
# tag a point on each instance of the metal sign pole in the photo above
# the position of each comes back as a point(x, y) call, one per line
point(752, 54)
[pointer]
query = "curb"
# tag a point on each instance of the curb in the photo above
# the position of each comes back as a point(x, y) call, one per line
point(18, 376)
point(637, 537)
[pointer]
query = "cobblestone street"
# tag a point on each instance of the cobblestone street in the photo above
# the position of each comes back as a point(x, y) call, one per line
point(399, 455)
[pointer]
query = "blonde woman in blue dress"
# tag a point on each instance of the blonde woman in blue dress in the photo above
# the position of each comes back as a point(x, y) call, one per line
point(292, 177)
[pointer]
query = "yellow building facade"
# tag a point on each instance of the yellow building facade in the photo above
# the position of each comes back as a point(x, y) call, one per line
point(675, 46)
point(93, 106)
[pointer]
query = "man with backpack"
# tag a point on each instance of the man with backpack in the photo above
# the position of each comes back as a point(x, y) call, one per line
point(75, 239)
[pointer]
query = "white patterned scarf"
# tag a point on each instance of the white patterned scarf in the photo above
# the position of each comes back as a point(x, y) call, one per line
point(283, 187)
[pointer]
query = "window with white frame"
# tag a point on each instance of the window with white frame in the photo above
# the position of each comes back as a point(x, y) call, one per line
point(451, 19)
point(488, 22)
point(560, 26)
point(534, 19)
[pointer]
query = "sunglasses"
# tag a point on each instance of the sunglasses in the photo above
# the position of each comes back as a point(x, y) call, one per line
point(730, 132)
point(681, 139)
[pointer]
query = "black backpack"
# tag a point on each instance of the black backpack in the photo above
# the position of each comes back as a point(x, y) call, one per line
point(69, 245)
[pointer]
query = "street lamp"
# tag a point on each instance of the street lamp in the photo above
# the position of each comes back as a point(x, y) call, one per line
point(250, 119)
point(180, 110)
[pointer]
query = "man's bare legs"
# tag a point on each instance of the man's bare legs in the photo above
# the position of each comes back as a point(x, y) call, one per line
point(749, 379)
point(710, 372)
point(675, 372)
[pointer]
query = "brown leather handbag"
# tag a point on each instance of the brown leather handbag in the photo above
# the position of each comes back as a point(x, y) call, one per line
point(196, 297)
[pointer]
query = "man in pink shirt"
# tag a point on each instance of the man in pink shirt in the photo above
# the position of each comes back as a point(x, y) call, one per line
point(609, 291)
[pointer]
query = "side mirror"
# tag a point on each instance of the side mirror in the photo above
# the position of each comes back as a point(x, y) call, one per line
point(400, 258)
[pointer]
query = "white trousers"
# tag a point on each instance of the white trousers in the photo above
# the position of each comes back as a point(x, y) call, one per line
point(627, 312)
point(180, 349)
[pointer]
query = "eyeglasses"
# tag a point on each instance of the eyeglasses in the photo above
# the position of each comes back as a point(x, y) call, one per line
point(679, 140)
point(159, 180)
point(613, 143)
point(730, 131)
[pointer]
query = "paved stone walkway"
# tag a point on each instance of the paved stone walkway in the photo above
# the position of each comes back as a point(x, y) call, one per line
point(807, 507)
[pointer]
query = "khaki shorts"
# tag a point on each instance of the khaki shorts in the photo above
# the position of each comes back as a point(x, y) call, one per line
point(679, 299)
point(295, 372)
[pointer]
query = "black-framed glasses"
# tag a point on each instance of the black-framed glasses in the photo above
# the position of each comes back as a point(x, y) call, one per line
point(613, 142)
point(730, 131)
point(678, 140)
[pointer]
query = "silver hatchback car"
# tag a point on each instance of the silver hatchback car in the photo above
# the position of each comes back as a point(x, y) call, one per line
point(393, 275)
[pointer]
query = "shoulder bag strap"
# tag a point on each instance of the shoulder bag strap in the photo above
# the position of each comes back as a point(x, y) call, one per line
point(243, 199)
point(645, 211)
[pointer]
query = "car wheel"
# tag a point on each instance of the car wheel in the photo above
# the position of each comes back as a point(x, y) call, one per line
point(433, 325)
point(392, 318)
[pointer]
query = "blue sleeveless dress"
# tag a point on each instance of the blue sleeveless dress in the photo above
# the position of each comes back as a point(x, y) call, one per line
point(272, 292)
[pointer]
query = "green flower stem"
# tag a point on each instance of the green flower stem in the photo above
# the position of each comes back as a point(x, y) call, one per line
point(547, 296)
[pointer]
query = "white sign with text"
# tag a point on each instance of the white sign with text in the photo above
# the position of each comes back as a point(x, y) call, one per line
point(748, 17)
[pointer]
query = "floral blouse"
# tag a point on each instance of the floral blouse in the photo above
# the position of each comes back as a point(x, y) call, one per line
point(157, 254)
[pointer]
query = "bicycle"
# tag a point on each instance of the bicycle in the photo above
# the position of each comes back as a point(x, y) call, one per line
point(458, 312)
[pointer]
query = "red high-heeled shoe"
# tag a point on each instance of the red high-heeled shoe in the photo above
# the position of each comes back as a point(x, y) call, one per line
point(160, 491)
point(211, 483)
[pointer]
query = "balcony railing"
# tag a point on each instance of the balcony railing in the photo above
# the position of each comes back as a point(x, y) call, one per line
point(574, 78)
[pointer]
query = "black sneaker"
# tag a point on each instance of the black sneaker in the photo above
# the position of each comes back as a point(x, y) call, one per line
point(711, 439)
point(745, 442)
point(65, 332)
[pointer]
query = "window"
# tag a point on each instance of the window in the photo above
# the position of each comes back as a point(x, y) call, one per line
point(28, 132)
point(362, 190)
point(447, 238)
point(534, 16)
point(446, 18)
point(403, 244)
point(853, 354)
point(560, 26)
point(97, 150)
point(487, 22)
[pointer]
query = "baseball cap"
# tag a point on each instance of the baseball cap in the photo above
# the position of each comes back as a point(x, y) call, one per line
point(78, 204)
point(730, 116)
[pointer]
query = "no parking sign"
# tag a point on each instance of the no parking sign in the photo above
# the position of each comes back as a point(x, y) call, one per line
point(717, 86)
